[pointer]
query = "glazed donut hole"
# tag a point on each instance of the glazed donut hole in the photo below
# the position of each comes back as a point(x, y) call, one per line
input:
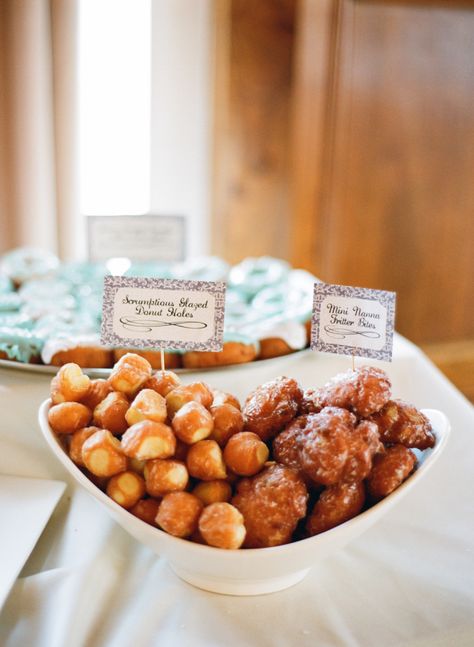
point(69, 384)
point(98, 390)
point(110, 413)
point(147, 440)
point(192, 422)
point(246, 453)
point(228, 420)
point(222, 525)
point(130, 373)
point(181, 450)
point(202, 393)
point(163, 382)
point(137, 465)
point(205, 461)
point(126, 488)
point(147, 405)
point(146, 510)
point(68, 417)
point(195, 392)
point(102, 454)
point(78, 438)
point(177, 398)
point(213, 491)
point(163, 476)
point(179, 514)
point(222, 397)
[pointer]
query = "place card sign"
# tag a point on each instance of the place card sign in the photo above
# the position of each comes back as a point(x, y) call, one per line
point(139, 238)
point(353, 321)
point(163, 313)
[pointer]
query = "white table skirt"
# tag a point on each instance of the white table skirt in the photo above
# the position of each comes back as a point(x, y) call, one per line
point(409, 580)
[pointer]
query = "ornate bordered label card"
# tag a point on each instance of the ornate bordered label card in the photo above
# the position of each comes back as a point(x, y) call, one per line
point(163, 313)
point(142, 239)
point(353, 321)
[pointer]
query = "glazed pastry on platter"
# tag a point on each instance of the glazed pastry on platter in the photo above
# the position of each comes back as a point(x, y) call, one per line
point(267, 312)
point(85, 350)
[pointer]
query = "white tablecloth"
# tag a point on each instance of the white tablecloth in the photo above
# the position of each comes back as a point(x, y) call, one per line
point(409, 580)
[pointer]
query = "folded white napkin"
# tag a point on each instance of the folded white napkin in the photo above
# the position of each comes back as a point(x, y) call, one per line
point(26, 504)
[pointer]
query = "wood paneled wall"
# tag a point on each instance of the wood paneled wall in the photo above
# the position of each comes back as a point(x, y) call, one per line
point(254, 50)
point(360, 112)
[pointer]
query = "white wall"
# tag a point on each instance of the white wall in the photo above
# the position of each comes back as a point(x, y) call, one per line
point(181, 114)
point(133, 159)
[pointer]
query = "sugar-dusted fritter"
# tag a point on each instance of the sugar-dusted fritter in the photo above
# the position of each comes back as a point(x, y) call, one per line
point(390, 470)
point(271, 406)
point(364, 443)
point(363, 391)
point(317, 444)
point(402, 423)
point(272, 503)
point(338, 503)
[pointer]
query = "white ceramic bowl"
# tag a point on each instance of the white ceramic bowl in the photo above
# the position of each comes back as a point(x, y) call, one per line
point(249, 571)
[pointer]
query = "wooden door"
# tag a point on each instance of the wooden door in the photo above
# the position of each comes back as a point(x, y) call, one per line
point(384, 120)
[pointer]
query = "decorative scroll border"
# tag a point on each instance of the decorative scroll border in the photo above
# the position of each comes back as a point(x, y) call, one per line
point(387, 299)
point(113, 283)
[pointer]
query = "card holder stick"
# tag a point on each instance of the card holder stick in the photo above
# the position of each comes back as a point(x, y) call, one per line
point(162, 357)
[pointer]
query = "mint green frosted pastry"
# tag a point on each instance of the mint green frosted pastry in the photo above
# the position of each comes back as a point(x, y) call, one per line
point(291, 300)
point(15, 320)
point(201, 268)
point(152, 270)
point(26, 263)
point(19, 345)
point(5, 284)
point(10, 302)
point(48, 289)
point(80, 273)
point(253, 274)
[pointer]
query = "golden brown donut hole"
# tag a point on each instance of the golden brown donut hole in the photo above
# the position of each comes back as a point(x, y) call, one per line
point(147, 439)
point(179, 513)
point(205, 462)
point(103, 455)
point(147, 405)
point(245, 453)
point(165, 475)
point(68, 417)
point(69, 384)
point(192, 422)
point(130, 373)
point(163, 382)
point(110, 413)
point(227, 421)
point(222, 525)
point(126, 488)
point(213, 491)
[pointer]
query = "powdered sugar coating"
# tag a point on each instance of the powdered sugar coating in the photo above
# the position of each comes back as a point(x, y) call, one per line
point(390, 470)
point(400, 422)
point(320, 445)
point(364, 443)
point(271, 406)
point(364, 391)
point(272, 503)
point(337, 504)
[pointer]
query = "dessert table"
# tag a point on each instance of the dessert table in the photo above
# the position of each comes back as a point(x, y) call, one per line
point(408, 580)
